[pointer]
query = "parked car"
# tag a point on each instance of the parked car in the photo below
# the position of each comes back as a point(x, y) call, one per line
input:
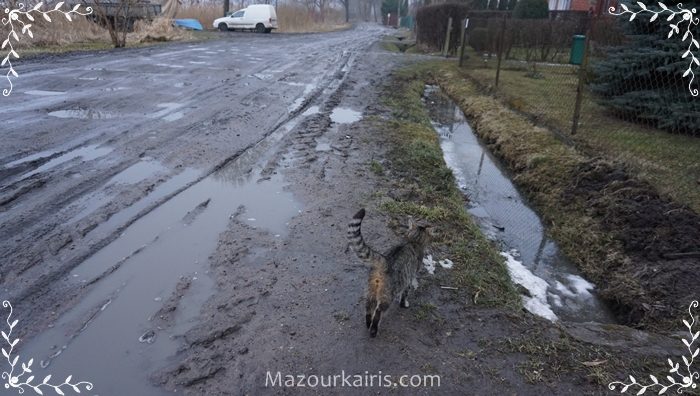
point(259, 17)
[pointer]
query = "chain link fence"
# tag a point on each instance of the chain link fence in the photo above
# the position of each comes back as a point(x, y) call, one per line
point(613, 88)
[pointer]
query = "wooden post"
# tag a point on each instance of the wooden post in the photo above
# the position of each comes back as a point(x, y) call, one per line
point(398, 15)
point(581, 77)
point(500, 49)
point(446, 48)
point(226, 7)
point(465, 24)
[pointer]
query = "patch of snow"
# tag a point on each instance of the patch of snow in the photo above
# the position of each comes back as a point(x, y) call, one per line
point(581, 286)
point(446, 263)
point(565, 291)
point(537, 303)
point(577, 288)
point(429, 264)
point(556, 300)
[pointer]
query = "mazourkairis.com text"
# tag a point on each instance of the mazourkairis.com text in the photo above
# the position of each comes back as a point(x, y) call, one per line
point(343, 380)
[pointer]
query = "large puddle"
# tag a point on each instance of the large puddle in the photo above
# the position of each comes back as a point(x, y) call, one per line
point(555, 287)
point(85, 153)
point(108, 337)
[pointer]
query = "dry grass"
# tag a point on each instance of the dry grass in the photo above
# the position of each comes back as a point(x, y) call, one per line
point(59, 32)
point(427, 190)
point(160, 29)
point(291, 18)
point(295, 19)
point(60, 35)
point(204, 13)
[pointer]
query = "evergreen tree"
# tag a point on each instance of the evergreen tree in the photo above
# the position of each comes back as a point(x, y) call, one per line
point(391, 6)
point(503, 5)
point(481, 4)
point(531, 9)
point(493, 4)
point(512, 4)
point(642, 81)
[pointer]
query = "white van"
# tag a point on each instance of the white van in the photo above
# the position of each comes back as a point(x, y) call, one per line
point(259, 17)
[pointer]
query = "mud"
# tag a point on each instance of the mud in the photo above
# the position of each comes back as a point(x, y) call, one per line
point(662, 238)
point(295, 305)
point(196, 240)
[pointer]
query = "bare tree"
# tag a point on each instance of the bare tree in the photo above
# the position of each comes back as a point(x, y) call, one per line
point(117, 17)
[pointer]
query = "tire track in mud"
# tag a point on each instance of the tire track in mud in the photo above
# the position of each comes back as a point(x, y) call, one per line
point(9, 196)
point(50, 284)
point(231, 346)
point(275, 141)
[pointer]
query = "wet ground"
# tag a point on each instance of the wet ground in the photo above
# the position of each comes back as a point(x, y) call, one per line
point(121, 170)
point(173, 219)
point(554, 288)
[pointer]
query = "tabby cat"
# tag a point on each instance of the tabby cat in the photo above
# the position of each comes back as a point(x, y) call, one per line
point(392, 273)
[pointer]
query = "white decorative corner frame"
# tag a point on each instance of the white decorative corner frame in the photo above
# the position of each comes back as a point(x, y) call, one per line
point(18, 18)
point(687, 17)
point(680, 378)
point(14, 379)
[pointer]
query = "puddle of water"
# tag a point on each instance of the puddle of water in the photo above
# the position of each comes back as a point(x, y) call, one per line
point(174, 116)
point(113, 89)
point(29, 158)
point(78, 142)
point(323, 145)
point(298, 102)
point(154, 253)
point(533, 259)
point(83, 114)
point(168, 113)
point(89, 203)
point(311, 111)
point(342, 115)
point(170, 65)
point(107, 336)
point(87, 153)
point(262, 76)
point(44, 93)
point(139, 171)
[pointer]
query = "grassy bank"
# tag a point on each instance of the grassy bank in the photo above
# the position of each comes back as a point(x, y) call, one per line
point(618, 230)
point(427, 190)
point(668, 161)
point(542, 353)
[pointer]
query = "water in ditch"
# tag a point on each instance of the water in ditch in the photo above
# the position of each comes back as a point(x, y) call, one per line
point(556, 290)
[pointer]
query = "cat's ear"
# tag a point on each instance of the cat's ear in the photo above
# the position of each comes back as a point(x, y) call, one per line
point(411, 223)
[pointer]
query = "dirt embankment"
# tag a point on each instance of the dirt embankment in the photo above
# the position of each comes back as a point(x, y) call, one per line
point(641, 249)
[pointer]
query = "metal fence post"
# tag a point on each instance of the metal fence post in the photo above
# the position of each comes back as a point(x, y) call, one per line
point(465, 24)
point(581, 78)
point(446, 48)
point(500, 49)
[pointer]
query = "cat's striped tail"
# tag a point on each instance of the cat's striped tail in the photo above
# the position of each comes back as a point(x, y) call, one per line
point(358, 244)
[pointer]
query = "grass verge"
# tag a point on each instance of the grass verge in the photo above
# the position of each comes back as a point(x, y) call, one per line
point(667, 161)
point(427, 190)
point(618, 230)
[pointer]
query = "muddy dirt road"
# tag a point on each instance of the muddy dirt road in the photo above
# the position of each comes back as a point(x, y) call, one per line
point(173, 219)
point(120, 170)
